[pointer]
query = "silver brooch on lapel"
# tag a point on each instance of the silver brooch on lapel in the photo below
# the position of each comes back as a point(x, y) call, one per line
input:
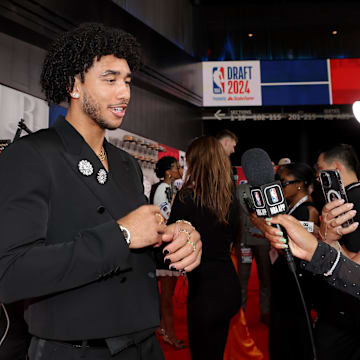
point(85, 167)
point(101, 176)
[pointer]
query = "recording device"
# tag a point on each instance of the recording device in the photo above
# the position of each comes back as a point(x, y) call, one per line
point(333, 188)
point(266, 194)
point(248, 203)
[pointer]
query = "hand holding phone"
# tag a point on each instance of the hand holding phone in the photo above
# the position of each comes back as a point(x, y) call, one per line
point(333, 188)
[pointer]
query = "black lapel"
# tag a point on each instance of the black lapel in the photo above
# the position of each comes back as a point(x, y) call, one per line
point(113, 195)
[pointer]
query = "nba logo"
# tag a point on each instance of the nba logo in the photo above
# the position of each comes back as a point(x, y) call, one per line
point(218, 80)
point(274, 195)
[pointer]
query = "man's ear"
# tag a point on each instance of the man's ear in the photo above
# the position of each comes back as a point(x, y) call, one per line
point(75, 91)
point(338, 166)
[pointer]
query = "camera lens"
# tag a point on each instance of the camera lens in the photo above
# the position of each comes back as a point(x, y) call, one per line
point(325, 179)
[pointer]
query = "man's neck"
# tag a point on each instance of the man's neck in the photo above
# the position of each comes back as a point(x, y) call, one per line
point(348, 177)
point(87, 128)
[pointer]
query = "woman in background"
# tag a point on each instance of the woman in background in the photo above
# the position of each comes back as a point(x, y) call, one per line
point(287, 311)
point(162, 194)
point(207, 200)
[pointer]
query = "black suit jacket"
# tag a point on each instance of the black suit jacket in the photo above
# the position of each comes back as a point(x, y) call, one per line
point(61, 247)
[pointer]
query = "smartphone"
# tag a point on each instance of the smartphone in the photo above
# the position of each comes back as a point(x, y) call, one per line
point(333, 188)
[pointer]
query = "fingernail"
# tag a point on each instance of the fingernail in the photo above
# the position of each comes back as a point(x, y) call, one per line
point(167, 261)
point(284, 246)
point(356, 224)
point(268, 219)
point(173, 268)
point(350, 205)
point(352, 212)
point(280, 233)
point(166, 252)
point(283, 240)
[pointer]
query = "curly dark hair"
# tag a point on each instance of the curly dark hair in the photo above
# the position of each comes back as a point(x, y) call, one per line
point(164, 164)
point(73, 53)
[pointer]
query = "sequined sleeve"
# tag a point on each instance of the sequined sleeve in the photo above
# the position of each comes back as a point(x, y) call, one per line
point(346, 275)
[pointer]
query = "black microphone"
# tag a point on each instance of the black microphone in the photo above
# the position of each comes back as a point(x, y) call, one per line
point(266, 193)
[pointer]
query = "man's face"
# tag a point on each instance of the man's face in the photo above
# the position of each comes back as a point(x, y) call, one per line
point(228, 145)
point(105, 92)
point(322, 164)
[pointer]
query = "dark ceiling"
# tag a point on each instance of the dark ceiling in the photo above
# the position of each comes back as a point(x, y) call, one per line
point(281, 29)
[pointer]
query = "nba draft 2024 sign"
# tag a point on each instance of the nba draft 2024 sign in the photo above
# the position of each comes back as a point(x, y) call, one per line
point(231, 83)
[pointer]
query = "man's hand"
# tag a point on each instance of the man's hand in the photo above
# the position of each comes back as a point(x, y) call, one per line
point(146, 226)
point(334, 214)
point(184, 250)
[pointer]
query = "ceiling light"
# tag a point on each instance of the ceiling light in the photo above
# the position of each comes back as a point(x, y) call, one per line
point(356, 110)
point(250, 35)
point(334, 32)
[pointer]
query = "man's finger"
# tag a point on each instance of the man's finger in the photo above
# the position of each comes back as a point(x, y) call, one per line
point(339, 211)
point(332, 205)
point(349, 229)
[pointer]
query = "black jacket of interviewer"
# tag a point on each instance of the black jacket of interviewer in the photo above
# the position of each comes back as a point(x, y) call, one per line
point(61, 249)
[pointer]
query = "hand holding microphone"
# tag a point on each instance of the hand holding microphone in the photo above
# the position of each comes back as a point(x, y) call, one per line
point(267, 195)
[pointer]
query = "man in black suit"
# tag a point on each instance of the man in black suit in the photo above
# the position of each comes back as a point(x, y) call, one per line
point(338, 326)
point(77, 237)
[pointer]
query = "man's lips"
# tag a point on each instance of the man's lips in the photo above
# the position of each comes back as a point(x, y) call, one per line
point(118, 111)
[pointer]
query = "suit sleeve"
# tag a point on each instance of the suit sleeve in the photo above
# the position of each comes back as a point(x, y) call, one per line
point(29, 265)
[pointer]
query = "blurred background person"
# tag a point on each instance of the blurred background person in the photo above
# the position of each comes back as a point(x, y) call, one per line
point(162, 194)
point(254, 245)
point(228, 140)
point(287, 311)
point(207, 199)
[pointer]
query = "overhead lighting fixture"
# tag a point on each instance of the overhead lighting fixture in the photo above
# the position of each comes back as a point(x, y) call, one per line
point(250, 35)
point(356, 110)
point(334, 32)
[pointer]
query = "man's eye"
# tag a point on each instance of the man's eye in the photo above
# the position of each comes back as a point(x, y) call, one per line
point(128, 82)
point(110, 80)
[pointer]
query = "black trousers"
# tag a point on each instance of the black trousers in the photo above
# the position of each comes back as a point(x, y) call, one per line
point(337, 337)
point(41, 349)
point(16, 343)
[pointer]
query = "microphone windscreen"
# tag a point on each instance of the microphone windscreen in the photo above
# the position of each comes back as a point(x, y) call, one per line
point(257, 166)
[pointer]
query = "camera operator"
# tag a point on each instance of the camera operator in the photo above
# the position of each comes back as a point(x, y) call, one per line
point(337, 328)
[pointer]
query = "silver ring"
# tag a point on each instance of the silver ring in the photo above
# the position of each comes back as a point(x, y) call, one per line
point(326, 215)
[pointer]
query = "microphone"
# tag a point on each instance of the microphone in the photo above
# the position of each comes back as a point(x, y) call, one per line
point(266, 193)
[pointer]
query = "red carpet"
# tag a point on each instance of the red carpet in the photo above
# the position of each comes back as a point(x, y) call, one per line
point(258, 330)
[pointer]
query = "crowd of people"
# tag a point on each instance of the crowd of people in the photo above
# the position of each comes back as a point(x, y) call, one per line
point(83, 255)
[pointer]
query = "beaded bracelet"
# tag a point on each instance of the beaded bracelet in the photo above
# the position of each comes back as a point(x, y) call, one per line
point(329, 273)
point(185, 222)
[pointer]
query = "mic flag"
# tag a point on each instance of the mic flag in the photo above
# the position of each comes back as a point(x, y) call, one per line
point(266, 194)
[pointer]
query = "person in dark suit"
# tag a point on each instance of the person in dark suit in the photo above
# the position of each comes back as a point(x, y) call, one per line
point(77, 237)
